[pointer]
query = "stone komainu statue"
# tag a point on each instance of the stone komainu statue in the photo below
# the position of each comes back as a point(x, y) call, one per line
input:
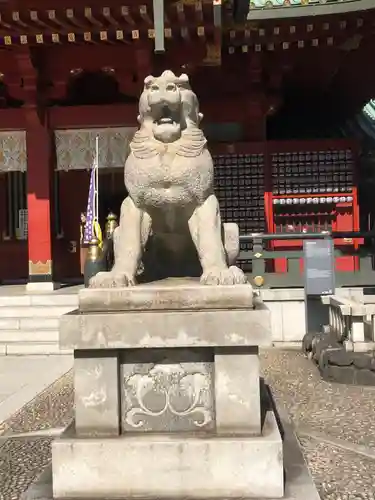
point(170, 221)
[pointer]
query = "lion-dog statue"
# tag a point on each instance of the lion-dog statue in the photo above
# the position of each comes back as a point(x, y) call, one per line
point(170, 220)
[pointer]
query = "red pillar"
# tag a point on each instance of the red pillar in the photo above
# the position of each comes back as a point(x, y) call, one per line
point(39, 170)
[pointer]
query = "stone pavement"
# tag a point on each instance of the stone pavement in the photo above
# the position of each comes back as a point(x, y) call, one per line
point(335, 425)
point(22, 378)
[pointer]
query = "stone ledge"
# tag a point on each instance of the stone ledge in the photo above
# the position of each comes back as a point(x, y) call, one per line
point(42, 287)
point(152, 329)
point(170, 466)
point(298, 482)
point(169, 294)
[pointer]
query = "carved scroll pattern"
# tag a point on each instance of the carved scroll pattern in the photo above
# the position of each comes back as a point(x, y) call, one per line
point(167, 396)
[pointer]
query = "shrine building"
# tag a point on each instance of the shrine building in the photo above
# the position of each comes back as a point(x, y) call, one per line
point(283, 86)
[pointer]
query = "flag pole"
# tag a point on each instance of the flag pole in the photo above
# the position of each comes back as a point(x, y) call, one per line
point(96, 165)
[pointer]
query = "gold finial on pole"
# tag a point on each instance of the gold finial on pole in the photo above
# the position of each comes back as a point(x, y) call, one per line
point(94, 250)
point(111, 224)
point(95, 262)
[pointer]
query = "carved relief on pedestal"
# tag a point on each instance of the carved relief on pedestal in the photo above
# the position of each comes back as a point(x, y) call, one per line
point(91, 387)
point(175, 393)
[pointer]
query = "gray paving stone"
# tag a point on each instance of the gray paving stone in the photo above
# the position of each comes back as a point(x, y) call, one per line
point(345, 412)
point(337, 411)
point(339, 474)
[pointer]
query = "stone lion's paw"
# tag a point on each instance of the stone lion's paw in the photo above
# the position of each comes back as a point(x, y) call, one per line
point(230, 276)
point(111, 280)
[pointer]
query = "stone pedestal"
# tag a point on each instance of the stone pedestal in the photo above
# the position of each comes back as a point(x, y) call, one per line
point(167, 396)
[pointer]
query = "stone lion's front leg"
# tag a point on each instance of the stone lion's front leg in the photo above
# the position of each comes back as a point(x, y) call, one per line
point(129, 240)
point(205, 229)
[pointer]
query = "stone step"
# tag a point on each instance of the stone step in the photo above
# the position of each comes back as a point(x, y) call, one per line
point(36, 336)
point(34, 311)
point(38, 323)
point(29, 323)
point(31, 348)
point(44, 300)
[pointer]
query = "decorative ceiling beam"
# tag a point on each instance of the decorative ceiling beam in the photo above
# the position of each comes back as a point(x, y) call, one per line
point(106, 11)
point(34, 17)
point(158, 8)
point(213, 54)
point(73, 19)
point(120, 37)
point(239, 41)
point(180, 12)
point(3, 24)
point(39, 38)
point(87, 36)
point(126, 15)
point(103, 35)
point(144, 14)
point(185, 33)
point(56, 38)
point(198, 9)
point(17, 19)
point(201, 32)
point(52, 17)
point(91, 18)
point(72, 38)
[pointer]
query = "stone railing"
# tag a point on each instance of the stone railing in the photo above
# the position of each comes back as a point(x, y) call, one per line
point(351, 322)
point(273, 9)
point(263, 4)
point(370, 321)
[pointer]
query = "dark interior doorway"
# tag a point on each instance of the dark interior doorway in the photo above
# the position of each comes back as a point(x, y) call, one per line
point(112, 193)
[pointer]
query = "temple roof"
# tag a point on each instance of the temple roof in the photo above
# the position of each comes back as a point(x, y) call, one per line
point(362, 127)
point(369, 110)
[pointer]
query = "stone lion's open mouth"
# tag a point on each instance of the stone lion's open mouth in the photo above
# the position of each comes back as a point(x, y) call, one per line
point(165, 120)
point(167, 116)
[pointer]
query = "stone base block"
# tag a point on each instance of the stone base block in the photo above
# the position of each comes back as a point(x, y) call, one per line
point(172, 294)
point(42, 287)
point(160, 329)
point(170, 466)
point(336, 363)
point(298, 482)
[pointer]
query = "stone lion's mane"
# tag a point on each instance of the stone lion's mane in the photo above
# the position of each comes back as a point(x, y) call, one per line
point(190, 145)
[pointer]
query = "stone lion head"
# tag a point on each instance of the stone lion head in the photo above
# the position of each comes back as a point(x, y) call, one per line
point(168, 106)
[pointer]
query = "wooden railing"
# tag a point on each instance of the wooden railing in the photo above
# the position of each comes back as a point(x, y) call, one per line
point(258, 260)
